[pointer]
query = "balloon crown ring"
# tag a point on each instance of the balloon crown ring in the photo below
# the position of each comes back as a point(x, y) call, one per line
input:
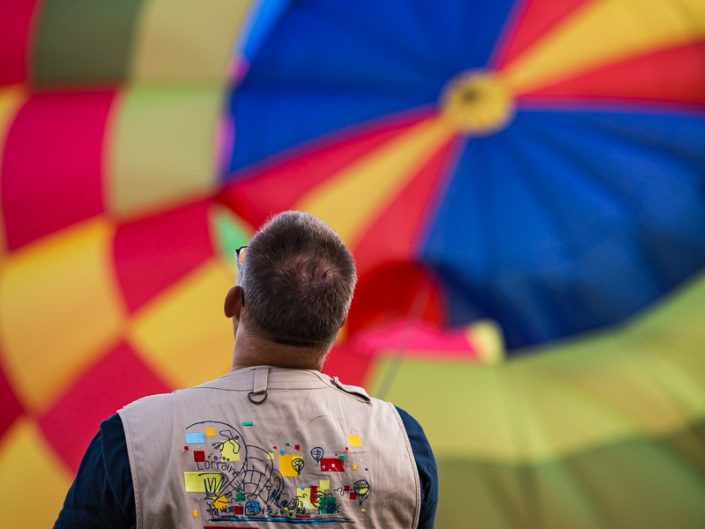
point(477, 103)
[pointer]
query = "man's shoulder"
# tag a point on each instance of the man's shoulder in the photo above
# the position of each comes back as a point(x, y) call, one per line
point(158, 401)
point(409, 420)
point(355, 391)
point(147, 403)
point(362, 394)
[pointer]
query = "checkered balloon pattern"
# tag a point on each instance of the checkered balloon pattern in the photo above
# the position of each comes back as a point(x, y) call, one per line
point(113, 255)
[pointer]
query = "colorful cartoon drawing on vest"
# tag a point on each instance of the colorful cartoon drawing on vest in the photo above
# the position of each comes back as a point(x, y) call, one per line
point(361, 488)
point(317, 453)
point(240, 481)
point(289, 463)
point(221, 501)
point(304, 496)
point(252, 507)
point(359, 491)
point(298, 465)
point(230, 449)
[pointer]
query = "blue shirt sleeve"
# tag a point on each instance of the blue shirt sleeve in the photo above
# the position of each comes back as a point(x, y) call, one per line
point(101, 496)
point(426, 464)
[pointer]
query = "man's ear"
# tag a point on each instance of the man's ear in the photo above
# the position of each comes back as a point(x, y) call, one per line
point(233, 302)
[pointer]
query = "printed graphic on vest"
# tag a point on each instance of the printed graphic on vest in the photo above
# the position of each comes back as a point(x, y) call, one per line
point(238, 481)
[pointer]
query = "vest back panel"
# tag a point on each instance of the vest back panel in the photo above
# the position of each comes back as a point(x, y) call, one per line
point(312, 452)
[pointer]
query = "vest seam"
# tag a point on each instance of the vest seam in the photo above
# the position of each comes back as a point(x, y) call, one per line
point(268, 389)
point(136, 485)
point(328, 383)
point(410, 453)
point(351, 395)
point(332, 386)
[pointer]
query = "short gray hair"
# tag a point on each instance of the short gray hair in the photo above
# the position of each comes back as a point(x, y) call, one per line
point(298, 280)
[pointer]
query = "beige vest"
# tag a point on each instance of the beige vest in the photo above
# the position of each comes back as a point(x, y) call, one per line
point(269, 448)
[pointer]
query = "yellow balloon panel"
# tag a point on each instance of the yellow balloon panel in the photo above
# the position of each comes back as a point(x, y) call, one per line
point(377, 177)
point(604, 32)
point(606, 389)
point(169, 135)
point(475, 427)
point(48, 291)
point(186, 41)
point(183, 333)
point(34, 481)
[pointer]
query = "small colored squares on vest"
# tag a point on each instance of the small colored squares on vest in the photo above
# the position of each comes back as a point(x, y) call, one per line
point(199, 456)
point(270, 455)
point(324, 484)
point(354, 440)
point(354, 467)
point(240, 496)
point(195, 438)
point(200, 481)
point(328, 505)
point(210, 431)
point(332, 464)
point(303, 496)
point(297, 447)
point(195, 514)
point(290, 465)
point(248, 423)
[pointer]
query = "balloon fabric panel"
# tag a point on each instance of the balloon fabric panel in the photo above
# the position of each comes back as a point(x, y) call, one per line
point(546, 145)
point(351, 72)
point(84, 42)
point(671, 76)
point(70, 129)
point(14, 41)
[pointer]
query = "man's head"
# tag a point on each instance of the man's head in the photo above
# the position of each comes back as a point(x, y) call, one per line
point(297, 281)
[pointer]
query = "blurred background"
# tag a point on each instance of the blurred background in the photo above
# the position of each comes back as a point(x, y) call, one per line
point(522, 183)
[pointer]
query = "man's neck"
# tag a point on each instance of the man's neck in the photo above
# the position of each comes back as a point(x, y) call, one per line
point(251, 350)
